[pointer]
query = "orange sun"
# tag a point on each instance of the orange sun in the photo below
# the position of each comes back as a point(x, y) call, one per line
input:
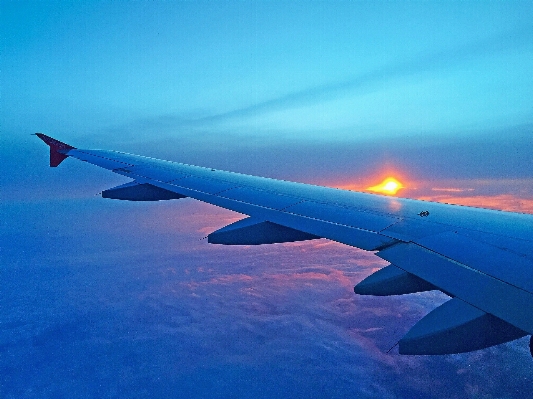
point(389, 186)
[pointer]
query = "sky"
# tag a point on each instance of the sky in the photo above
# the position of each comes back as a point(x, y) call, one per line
point(104, 298)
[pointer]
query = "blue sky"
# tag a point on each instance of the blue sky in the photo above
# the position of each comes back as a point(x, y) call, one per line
point(352, 89)
point(112, 299)
point(313, 70)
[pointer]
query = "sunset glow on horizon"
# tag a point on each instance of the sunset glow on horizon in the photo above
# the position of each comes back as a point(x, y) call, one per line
point(389, 186)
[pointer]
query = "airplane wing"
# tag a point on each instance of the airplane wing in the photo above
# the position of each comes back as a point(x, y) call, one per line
point(482, 259)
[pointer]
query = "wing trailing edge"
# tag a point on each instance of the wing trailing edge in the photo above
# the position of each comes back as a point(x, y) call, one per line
point(392, 280)
point(491, 295)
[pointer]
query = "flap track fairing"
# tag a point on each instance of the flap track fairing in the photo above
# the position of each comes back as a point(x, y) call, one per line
point(135, 191)
point(456, 327)
point(392, 280)
point(250, 231)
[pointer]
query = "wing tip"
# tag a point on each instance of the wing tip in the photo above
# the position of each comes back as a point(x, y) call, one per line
point(58, 149)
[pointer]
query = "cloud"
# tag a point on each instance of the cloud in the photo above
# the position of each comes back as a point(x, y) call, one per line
point(421, 63)
point(97, 292)
point(504, 202)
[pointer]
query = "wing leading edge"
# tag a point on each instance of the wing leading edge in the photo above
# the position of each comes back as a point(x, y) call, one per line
point(482, 258)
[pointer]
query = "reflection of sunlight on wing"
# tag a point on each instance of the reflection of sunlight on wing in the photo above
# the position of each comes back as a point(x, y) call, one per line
point(389, 186)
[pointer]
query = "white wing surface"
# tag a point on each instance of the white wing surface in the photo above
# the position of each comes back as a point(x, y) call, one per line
point(482, 259)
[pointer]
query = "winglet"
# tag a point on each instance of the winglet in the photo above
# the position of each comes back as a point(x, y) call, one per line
point(58, 149)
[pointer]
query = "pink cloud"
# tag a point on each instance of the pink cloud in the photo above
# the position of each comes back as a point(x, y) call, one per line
point(514, 195)
point(504, 202)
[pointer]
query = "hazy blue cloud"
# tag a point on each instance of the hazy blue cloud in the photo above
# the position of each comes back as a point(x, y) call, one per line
point(498, 153)
point(480, 161)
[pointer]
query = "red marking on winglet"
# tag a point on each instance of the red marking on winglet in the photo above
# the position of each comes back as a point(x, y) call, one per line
point(58, 149)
